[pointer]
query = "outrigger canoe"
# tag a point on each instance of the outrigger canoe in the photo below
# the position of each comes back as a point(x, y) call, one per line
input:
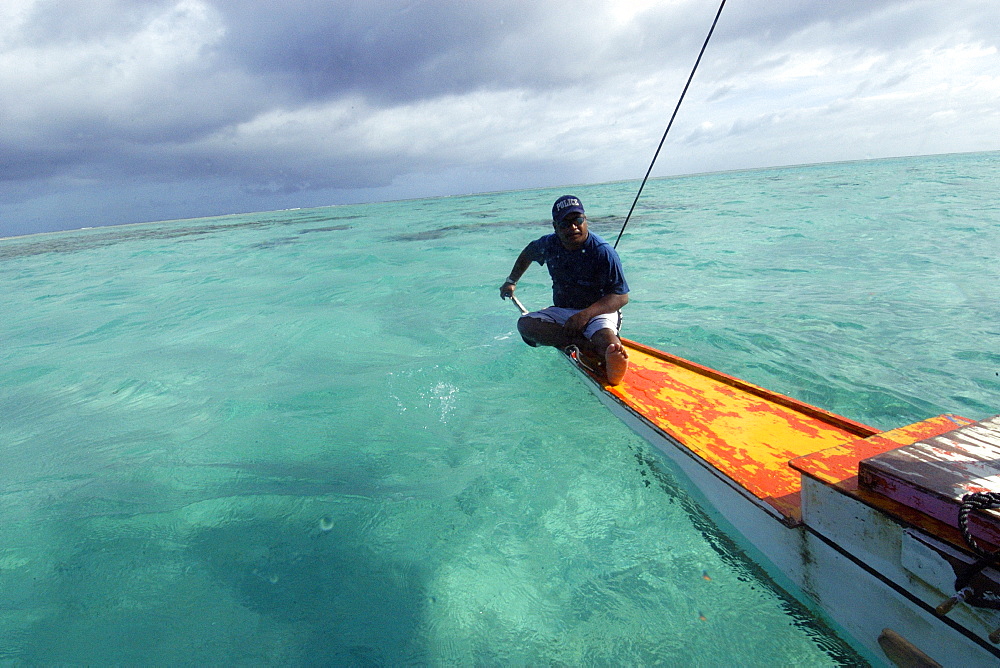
point(864, 523)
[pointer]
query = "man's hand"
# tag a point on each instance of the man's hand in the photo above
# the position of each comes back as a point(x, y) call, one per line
point(507, 289)
point(577, 322)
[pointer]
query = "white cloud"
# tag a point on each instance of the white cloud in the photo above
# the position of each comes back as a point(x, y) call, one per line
point(129, 82)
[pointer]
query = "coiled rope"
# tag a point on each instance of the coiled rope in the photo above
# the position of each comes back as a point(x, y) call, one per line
point(672, 117)
point(977, 501)
point(983, 598)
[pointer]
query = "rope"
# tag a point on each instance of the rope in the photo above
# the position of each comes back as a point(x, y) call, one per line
point(986, 598)
point(672, 117)
point(970, 502)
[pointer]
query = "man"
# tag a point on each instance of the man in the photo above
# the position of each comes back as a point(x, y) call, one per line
point(588, 289)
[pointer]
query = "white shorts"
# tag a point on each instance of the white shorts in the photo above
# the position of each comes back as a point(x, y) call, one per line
point(560, 315)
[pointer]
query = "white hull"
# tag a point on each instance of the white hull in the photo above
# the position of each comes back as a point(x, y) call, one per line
point(849, 562)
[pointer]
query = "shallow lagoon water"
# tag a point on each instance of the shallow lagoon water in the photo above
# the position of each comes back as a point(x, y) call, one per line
point(314, 436)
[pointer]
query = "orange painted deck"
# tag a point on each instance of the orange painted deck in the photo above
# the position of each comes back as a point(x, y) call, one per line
point(744, 431)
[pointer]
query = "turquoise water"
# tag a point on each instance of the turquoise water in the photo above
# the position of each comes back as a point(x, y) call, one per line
point(313, 436)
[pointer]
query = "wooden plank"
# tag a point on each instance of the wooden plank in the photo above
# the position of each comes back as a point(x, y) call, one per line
point(932, 475)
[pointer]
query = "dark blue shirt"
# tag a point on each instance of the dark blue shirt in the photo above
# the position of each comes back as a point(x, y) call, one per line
point(580, 277)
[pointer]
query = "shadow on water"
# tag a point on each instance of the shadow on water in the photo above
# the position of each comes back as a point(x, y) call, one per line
point(348, 604)
point(251, 591)
point(245, 563)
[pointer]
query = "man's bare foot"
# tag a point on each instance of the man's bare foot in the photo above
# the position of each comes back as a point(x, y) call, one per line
point(615, 363)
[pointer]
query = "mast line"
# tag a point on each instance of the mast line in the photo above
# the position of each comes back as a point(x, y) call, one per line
point(672, 117)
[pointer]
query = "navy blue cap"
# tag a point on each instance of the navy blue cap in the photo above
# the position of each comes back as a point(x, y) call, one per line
point(564, 206)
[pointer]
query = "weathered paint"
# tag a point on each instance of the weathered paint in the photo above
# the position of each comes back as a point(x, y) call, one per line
point(744, 431)
point(764, 441)
point(934, 473)
point(838, 466)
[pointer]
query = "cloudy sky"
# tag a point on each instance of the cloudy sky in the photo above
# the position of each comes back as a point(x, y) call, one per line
point(119, 111)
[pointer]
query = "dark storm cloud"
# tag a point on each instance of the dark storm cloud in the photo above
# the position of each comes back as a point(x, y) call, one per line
point(397, 52)
point(388, 51)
